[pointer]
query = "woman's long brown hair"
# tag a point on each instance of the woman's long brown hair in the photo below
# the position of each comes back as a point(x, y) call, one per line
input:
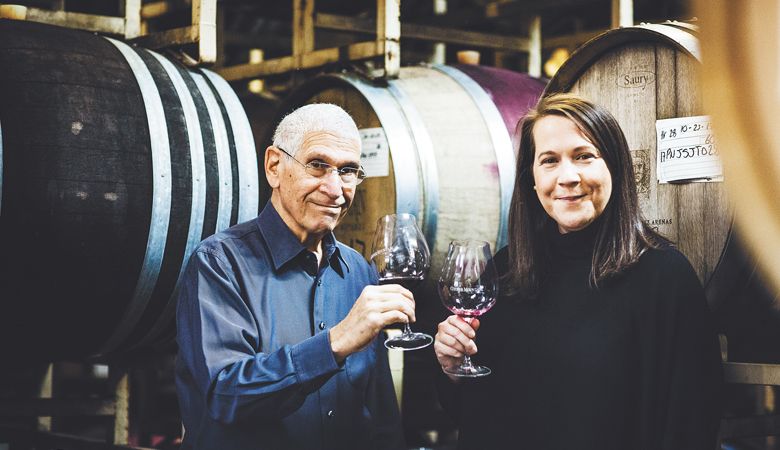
point(622, 235)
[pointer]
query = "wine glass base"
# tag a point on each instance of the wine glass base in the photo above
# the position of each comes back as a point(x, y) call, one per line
point(467, 372)
point(409, 341)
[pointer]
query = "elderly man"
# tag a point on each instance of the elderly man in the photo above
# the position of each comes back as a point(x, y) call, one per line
point(277, 321)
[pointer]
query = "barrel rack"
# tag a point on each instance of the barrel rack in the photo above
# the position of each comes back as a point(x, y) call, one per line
point(384, 50)
point(47, 406)
point(739, 373)
point(133, 25)
point(388, 31)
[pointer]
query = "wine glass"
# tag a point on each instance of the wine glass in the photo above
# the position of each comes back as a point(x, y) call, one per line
point(468, 287)
point(401, 256)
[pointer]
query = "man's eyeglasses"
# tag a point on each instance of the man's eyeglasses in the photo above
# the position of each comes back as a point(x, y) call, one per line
point(318, 169)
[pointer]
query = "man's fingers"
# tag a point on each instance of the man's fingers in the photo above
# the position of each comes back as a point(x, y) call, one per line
point(394, 302)
point(392, 288)
point(393, 316)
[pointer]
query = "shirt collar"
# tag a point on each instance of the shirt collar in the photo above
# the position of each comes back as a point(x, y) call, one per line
point(284, 245)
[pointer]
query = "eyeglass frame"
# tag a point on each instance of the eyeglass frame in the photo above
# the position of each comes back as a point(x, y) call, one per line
point(360, 173)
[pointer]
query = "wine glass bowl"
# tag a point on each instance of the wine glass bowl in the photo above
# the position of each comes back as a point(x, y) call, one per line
point(401, 256)
point(468, 287)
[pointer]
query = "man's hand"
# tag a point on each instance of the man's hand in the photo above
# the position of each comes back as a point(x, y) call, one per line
point(376, 308)
point(454, 339)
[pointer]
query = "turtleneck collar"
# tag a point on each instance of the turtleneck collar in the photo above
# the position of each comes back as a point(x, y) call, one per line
point(575, 244)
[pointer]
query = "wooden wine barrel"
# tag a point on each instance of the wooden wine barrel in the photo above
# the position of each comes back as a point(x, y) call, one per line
point(450, 162)
point(642, 74)
point(116, 162)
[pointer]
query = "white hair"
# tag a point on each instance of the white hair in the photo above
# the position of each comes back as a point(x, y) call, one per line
point(312, 118)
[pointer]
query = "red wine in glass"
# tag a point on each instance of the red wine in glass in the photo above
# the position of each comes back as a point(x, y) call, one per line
point(468, 287)
point(400, 255)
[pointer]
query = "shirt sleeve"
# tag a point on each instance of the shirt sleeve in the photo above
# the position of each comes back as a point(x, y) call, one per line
point(680, 365)
point(217, 337)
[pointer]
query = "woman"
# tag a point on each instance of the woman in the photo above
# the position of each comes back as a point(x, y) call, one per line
point(602, 338)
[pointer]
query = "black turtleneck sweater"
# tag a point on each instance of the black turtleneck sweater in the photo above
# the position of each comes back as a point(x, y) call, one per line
point(634, 364)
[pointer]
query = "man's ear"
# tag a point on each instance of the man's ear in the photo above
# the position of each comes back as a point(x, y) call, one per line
point(271, 164)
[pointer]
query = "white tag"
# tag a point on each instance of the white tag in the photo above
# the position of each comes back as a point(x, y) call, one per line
point(374, 156)
point(686, 150)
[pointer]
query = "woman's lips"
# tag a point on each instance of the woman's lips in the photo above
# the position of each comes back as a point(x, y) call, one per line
point(571, 198)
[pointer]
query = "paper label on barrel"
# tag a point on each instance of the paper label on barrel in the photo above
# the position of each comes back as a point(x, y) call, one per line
point(687, 151)
point(375, 153)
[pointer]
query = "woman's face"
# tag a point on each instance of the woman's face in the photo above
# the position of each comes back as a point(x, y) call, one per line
point(572, 180)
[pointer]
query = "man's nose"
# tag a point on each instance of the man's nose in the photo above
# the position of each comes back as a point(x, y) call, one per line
point(332, 183)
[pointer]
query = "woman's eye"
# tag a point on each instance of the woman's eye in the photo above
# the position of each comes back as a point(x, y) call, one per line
point(586, 156)
point(547, 161)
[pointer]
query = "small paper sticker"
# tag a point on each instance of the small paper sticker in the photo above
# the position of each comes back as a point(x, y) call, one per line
point(687, 151)
point(375, 153)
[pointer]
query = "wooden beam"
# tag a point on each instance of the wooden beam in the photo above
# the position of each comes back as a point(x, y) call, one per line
point(317, 58)
point(388, 30)
point(122, 405)
point(152, 10)
point(622, 13)
point(219, 40)
point(176, 36)
point(256, 56)
point(132, 13)
point(747, 373)
point(535, 47)
point(45, 392)
point(204, 18)
point(155, 9)
point(427, 33)
point(89, 22)
point(439, 55)
point(303, 27)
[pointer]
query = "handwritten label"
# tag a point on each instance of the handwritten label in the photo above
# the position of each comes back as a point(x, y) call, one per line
point(686, 150)
point(374, 156)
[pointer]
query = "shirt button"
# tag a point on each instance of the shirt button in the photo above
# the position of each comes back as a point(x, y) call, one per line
point(322, 325)
point(331, 413)
point(319, 282)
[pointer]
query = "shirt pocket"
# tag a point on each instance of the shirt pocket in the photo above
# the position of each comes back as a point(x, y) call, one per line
point(359, 366)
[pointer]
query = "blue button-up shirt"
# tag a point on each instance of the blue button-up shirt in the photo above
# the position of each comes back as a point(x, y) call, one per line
point(255, 368)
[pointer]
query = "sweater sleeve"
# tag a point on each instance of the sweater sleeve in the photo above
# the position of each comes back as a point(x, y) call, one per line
point(681, 373)
point(217, 338)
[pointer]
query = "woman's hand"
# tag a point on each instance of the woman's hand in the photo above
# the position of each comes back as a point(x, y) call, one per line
point(455, 339)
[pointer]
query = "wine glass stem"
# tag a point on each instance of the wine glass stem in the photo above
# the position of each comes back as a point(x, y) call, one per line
point(407, 329)
point(466, 364)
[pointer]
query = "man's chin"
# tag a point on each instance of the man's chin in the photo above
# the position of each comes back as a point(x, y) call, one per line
point(326, 224)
